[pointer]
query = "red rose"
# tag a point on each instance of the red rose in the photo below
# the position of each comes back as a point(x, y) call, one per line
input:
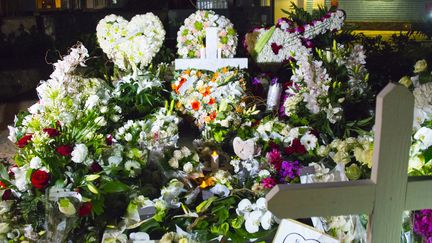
point(65, 150)
point(95, 168)
point(24, 140)
point(85, 209)
point(296, 147)
point(39, 179)
point(52, 132)
point(7, 195)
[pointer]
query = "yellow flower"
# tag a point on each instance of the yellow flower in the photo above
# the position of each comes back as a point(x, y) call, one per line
point(406, 81)
point(420, 66)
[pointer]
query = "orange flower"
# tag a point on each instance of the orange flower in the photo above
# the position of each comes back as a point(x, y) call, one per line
point(205, 91)
point(213, 115)
point(177, 87)
point(211, 101)
point(215, 76)
point(224, 70)
point(187, 72)
point(208, 182)
point(198, 74)
point(195, 105)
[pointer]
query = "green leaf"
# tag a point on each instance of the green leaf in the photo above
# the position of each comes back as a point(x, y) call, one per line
point(259, 46)
point(205, 205)
point(3, 172)
point(237, 222)
point(92, 188)
point(114, 186)
point(92, 177)
point(150, 224)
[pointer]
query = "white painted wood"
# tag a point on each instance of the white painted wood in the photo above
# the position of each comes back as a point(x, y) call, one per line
point(393, 126)
point(419, 193)
point(321, 199)
point(385, 195)
point(211, 62)
point(212, 41)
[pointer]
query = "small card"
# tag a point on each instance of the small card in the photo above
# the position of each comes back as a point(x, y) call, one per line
point(291, 231)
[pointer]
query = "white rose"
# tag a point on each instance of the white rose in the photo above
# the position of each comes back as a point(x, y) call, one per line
point(35, 163)
point(188, 167)
point(79, 153)
point(185, 151)
point(178, 154)
point(173, 162)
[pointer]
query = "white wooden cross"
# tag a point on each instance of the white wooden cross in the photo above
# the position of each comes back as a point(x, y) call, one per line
point(385, 195)
point(212, 60)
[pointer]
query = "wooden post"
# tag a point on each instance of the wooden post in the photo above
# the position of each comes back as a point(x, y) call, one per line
point(385, 195)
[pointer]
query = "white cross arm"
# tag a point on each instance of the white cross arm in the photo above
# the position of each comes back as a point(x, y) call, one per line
point(321, 199)
point(210, 64)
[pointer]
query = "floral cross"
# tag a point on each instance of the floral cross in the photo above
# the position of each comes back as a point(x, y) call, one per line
point(385, 195)
point(212, 60)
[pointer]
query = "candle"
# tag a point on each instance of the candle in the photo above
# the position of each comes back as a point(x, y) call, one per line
point(202, 52)
point(215, 161)
point(219, 53)
point(273, 96)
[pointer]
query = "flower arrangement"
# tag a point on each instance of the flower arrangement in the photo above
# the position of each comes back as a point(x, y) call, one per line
point(130, 44)
point(287, 40)
point(214, 100)
point(190, 37)
point(106, 160)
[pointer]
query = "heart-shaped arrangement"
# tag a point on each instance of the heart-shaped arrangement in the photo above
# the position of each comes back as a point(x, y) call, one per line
point(210, 97)
point(244, 149)
point(131, 44)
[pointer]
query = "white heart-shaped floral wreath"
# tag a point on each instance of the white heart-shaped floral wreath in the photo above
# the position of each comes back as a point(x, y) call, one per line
point(131, 43)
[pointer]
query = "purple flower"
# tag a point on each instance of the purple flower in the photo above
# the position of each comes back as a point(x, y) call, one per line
point(423, 224)
point(289, 170)
point(282, 107)
point(274, 81)
point(256, 81)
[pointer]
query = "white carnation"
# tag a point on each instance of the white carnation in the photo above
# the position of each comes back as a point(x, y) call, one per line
point(79, 153)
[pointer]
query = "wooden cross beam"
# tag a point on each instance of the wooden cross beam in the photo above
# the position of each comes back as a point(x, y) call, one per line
point(211, 61)
point(385, 195)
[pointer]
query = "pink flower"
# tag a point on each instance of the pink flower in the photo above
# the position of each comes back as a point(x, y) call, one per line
point(274, 157)
point(268, 182)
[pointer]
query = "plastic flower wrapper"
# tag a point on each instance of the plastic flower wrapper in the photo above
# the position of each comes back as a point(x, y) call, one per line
point(61, 213)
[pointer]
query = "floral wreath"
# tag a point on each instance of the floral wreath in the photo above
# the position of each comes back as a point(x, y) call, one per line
point(190, 37)
point(210, 98)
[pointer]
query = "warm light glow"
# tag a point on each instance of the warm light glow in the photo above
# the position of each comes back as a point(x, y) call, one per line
point(318, 3)
point(285, 5)
point(58, 3)
point(214, 154)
